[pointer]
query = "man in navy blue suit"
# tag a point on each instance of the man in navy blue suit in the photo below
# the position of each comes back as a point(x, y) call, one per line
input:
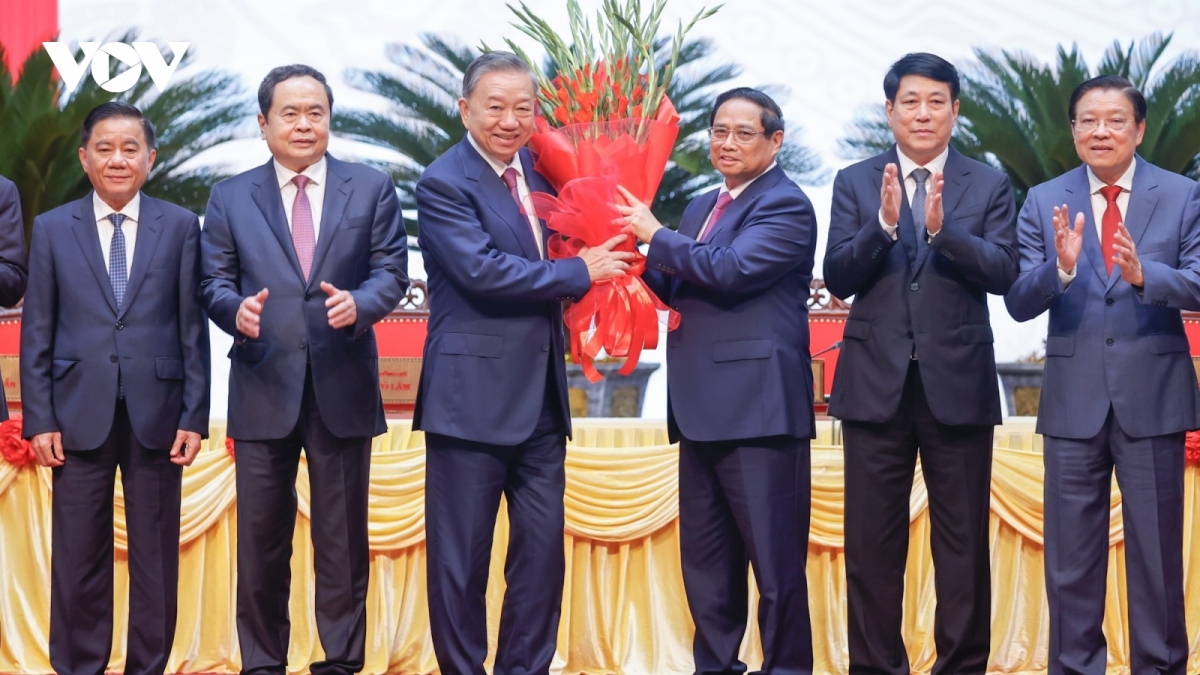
point(13, 270)
point(301, 257)
point(493, 393)
point(114, 373)
point(1112, 250)
point(740, 388)
point(919, 235)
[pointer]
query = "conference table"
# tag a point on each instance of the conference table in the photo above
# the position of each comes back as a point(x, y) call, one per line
point(624, 609)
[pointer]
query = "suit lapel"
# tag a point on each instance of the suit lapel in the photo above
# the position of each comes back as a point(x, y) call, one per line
point(89, 243)
point(266, 195)
point(1142, 200)
point(690, 226)
point(1079, 200)
point(736, 211)
point(333, 210)
point(497, 197)
point(536, 183)
point(149, 232)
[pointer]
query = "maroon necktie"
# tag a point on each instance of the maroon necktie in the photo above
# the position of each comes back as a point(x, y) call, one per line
point(1108, 226)
point(723, 201)
point(510, 179)
point(304, 237)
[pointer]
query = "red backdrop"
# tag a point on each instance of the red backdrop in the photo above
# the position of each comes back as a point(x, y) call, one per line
point(24, 25)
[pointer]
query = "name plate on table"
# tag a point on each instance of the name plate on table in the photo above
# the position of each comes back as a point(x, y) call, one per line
point(398, 378)
point(818, 370)
point(10, 370)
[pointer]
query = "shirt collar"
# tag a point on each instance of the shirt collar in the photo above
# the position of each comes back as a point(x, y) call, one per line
point(131, 211)
point(737, 191)
point(1125, 182)
point(315, 172)
point(498, 167)
point(935, 165)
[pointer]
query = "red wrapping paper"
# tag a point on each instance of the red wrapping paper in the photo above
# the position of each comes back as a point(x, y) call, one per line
point(623, 309)
point(585, 163)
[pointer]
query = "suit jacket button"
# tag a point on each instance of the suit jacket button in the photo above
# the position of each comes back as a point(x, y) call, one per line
point(1109, 342)
point(120, 325)
point(914, 286)
point(304, 344)
point(545, 348)
point(307, 297)
point(112, 357)
point(1109, 301)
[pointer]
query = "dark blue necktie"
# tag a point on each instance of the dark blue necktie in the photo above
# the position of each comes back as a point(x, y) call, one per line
point(116, 259)
point(117, 274)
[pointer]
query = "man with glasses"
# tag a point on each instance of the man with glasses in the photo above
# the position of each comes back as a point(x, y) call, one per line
point(919, 235)
point(740, 387)
point(1112, 250)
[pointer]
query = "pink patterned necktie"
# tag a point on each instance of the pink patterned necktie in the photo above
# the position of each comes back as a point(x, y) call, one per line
point(510, 180)
point(723, 201)
point(304, 237)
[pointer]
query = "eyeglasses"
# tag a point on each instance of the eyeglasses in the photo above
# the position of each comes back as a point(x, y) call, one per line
point(1089, 124)
point(741, 136)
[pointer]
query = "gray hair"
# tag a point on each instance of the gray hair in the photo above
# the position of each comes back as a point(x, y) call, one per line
point(492, 62)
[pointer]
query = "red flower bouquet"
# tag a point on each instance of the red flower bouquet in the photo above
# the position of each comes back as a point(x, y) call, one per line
point(1191, 447)
point(13, 448)
point(606, 121)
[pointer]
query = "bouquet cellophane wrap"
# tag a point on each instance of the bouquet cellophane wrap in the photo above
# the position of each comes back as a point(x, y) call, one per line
point(585, 163)
point(623, 309)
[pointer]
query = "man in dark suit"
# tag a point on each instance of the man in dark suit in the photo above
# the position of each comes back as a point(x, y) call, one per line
point(493, 393)
point(740, 388)
point(114, 373)
point(301, 257)
point(13, 270)
point(919, 236)
point(1119, 389)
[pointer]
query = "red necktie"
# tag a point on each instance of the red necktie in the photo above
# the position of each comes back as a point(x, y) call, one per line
point(1108, 226)
point(510, 179)
point(304, 237)
point(723, 201)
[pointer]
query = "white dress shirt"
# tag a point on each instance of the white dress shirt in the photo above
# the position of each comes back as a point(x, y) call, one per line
point(105, 228)
point(733, 195)
point(1100, 205)
point(315, 190)
point(906, 166)
point(522, 191)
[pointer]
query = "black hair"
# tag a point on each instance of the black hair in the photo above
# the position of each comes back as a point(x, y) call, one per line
point(922, 64)
point(771, 115)
point(110, 110)
point(266, 90)
point(1111, 82)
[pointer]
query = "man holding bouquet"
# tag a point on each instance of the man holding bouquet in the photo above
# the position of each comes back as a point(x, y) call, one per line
point(493, 393)
point(740, 387)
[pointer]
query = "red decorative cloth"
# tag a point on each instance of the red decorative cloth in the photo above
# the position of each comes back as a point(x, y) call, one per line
point(13, 448)
point(1191, 447)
